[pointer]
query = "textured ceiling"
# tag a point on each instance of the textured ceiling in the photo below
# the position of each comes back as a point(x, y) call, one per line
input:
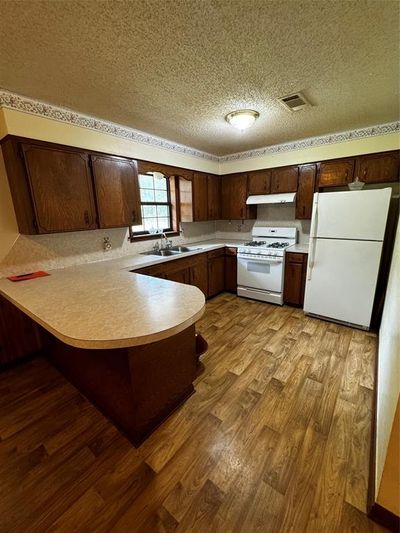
point(174, 68)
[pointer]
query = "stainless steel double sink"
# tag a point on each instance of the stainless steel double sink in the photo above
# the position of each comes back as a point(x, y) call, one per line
point(174, 250)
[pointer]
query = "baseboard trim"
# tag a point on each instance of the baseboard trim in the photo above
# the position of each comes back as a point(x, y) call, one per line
point(385, 518)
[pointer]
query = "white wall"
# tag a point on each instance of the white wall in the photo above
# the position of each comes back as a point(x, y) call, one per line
point(388, 386)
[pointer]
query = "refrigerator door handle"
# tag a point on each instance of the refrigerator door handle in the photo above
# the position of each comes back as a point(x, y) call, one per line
point(313, 236)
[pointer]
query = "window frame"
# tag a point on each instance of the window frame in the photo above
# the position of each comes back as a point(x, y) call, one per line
point(172, 231)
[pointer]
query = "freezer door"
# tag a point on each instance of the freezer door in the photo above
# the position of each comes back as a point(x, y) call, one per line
point(341, 280)
point(357, 215)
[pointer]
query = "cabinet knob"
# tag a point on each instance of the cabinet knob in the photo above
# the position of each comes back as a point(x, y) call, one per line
point(365, 173)
point(86, 217)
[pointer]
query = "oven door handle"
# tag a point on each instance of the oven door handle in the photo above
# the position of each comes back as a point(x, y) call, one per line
point(251, 260)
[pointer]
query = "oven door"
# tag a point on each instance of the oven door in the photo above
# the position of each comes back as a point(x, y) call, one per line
point(260, 273)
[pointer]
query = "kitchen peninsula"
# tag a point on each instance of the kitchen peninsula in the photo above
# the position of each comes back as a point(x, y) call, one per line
point(125, 340)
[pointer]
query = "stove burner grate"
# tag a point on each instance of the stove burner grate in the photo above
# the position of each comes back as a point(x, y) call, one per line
point(255, 243)
point(278, 245)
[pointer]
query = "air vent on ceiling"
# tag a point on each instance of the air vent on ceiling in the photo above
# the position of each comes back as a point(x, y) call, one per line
point(294, 102)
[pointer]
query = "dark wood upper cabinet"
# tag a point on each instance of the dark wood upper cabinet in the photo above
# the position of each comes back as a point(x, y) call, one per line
point(57, 188)
point(213, 197)
point(378, 168)
point(305, 191)
point(233, 198)
point(193, 194)
point(61, 189)
point(336, 173)
point(284, 180)
point(117, 191)
point(199, 192)
point(259, 182)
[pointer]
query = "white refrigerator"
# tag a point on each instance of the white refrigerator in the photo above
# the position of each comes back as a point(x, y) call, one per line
point(346, 239)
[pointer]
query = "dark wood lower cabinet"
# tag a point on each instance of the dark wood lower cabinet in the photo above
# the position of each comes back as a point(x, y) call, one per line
point(179, 275)
point(231, 270)
point(199, 273)
point(19, 335)
point(216, 272)
point(295, 278)
point(136, 388)
point(212, 272)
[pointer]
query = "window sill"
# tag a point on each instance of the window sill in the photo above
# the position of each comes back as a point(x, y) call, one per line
point(149, 237)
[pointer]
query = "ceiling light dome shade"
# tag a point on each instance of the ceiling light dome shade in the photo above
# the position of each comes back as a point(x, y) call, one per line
point(242, 119)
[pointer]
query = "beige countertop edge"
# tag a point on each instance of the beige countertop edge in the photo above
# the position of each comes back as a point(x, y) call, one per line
point(92, 344)
point(298, 249)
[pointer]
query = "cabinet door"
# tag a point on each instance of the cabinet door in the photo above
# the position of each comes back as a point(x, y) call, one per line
point(117, 191)
point(336, 173)
point(180, 276)
point(284, 180)
point(305, 191)
point(61, 188)
point(234, 196)
point(295, 278)
point(199, 274)
point(199, 196)
point(19, 334)
point(230, 270)
point(214, 197)
point(378, 168)
point(259, 182)
point(216, 275)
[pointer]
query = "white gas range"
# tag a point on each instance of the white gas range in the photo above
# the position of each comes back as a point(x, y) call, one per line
point(261, 263)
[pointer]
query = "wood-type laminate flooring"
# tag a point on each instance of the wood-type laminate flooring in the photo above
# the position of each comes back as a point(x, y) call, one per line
point(275, 439)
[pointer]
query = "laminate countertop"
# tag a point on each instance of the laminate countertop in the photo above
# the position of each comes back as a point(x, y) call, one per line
point(298, 249)
point(104, 305)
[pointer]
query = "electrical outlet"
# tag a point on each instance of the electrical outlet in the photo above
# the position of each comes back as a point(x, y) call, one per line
point(107, 246)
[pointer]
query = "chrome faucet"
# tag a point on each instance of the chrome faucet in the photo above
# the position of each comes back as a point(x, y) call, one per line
point(165, 243)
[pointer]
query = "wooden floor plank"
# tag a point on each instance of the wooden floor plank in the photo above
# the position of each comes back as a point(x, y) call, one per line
point(357, 471)
point(331, 487)
point(275, 438)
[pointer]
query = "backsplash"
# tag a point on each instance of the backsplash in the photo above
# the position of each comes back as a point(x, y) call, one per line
point(60, 250)
point(267, 215)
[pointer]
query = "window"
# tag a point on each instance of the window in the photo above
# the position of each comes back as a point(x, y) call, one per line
point(155, 198)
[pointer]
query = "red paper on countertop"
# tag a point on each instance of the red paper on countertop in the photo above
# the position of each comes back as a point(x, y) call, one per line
point(30, 275)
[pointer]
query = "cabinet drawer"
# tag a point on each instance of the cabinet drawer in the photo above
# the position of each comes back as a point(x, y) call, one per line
point(216, 253)
point(295, 257)
point(231, 251)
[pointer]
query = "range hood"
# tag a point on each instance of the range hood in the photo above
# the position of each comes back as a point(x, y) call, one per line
point(258, 199)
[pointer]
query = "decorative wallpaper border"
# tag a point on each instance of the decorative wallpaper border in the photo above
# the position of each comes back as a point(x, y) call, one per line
point(28, 105)
point(35, 107)
point(333, 138)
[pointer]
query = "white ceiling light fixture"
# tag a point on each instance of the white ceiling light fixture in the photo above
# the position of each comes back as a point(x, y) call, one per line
point(242, 119)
